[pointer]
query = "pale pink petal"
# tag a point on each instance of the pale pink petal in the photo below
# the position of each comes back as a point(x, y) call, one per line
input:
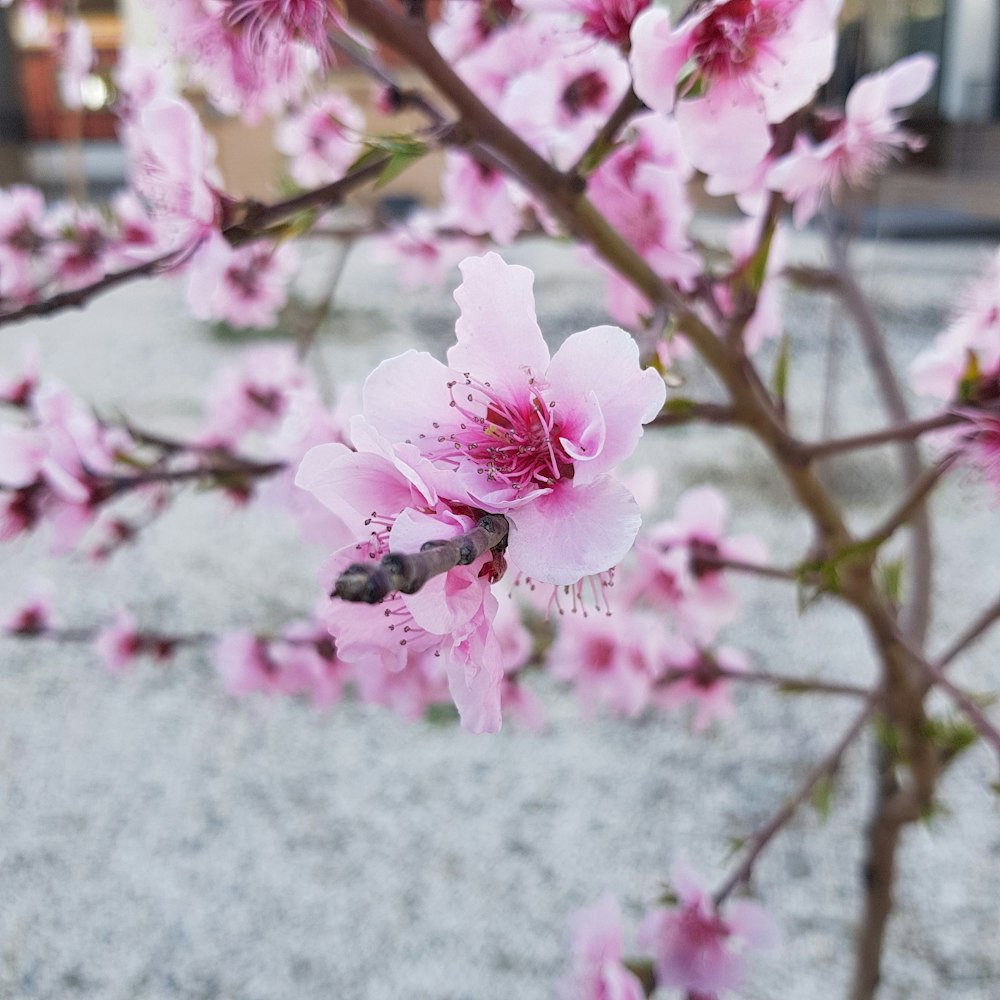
point(497, 331)
point(574, 531)
point(725, 131)
point(657, 55)
point(407, 395)
point(604, 361)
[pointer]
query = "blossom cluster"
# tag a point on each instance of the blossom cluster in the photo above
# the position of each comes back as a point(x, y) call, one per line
point(657, 646)
point(692, 943)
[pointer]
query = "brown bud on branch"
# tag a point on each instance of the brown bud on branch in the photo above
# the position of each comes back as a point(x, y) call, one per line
point(370, 583)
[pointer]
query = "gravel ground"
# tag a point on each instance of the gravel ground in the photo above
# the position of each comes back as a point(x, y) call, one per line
point(160, 840)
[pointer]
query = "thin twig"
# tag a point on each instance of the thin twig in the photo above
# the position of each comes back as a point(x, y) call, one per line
point(253, 220)
point(912, 502)
point(602, 142)
point(988, 618)
point(764, 834)
point(901, 432)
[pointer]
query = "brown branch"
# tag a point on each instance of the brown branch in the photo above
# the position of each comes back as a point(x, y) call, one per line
point(787, 683)
point(901, 432)
point(602, 143)
point(704, 559)
point(916, 614)
point(405, 573)
point(912, 503)
point(116, 485)
point(988, 618)
point(764, 834)
point(253, 220)
point(687, 411)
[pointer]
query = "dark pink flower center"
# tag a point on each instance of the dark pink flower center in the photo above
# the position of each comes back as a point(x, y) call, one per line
point(515, 443)
point(702, 931)
point(726, 42)
point(585, 92)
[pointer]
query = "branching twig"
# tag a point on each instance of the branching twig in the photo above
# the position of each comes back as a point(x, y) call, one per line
point(764, 834)
point(253, 220)
point(978, 627)
point(912, 502)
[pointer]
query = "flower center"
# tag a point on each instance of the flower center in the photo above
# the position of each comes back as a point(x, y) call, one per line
point(727, 41)
point(586, 91)
point(515, 443)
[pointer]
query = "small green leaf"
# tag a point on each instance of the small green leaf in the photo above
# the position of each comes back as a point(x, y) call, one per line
point(952, 735)
point(892, 579)
point(756, 268)
point(779, 378)
point(398, 162)
point(822, 796)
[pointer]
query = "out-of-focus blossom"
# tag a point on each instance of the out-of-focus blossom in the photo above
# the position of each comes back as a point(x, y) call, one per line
point(968, 350)
point(596, 971)
point(76, 58)
point(731, 69)
point(244, 286)
point(859, 144)
point(696, 947)
point(321, 139)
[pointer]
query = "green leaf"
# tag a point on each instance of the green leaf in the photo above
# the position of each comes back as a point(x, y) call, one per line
point(398, 162)
point(888, 737)
point(953, 735)
point(892, 579)
point(822, 796)
point(756, 267)
point(779, 378)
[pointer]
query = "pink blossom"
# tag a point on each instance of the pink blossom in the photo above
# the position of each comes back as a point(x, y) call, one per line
point(642, 186)
point(254, 395)
point(610, 660)
point(119, 644)
point(421, 256)
point(750, 62)
point(525, 434)
point(30, 617)
point(979, 444)
point(244, 664)
point(559, 106)
point(307, 663)
point(172, 169)
point(244, 286)
point(23, 237)
point(251, 57)
point(674, 568)
point(860, 143)
point(463, 27)
point(970, 345)
point(140, 78)
point(480, 200)
point(79, 246)
point(321, 139)
point(695, 947)
point(610, 20)
point(388, 506)
point(134, 236)
point(596, 971)
point(700, 681)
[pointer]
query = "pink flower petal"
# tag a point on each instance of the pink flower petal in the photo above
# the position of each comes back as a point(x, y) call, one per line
point(497, 331)
point(575, 531)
